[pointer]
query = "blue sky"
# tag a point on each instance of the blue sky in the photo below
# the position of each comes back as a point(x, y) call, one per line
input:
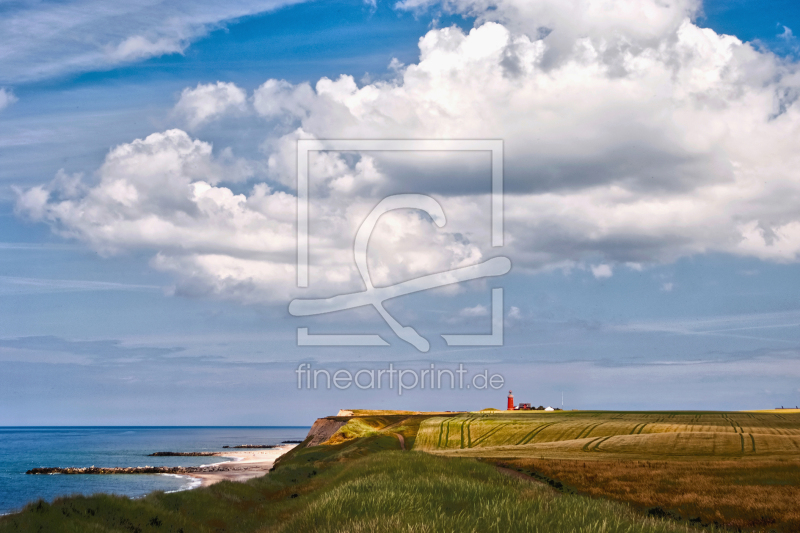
point(101, 324)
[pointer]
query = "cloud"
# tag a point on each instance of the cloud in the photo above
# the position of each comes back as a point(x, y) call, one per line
point(43, 40)
point(471, 312)
point(164, 194)
point(207, 102)
point(679, 145)
point(17, 285)
point(770, 327)
point(667, 287)
point(279, 98)
point(791, 44)
point(601, 271)
point(631, 136)
point(6, 98)
point(85, 350)
point(137, 47)
point(623, 24)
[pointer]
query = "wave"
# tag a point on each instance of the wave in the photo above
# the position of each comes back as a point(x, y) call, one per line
point(192, 483)
point(230, 460)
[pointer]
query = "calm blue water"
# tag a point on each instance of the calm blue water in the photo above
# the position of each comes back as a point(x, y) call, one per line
point(25, 448)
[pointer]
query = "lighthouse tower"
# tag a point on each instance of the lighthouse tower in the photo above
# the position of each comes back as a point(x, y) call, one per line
point(510, 401)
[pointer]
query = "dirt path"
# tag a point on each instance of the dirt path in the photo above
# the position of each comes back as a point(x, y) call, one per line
point(520, 475)
point(402, 441)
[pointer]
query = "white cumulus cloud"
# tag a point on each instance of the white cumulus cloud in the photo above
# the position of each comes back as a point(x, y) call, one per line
point(165, 194)
point(210, 101)
point(631, 137)
point(685, 143)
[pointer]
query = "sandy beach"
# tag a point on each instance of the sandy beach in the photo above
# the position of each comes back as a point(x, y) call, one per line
point(247, 465)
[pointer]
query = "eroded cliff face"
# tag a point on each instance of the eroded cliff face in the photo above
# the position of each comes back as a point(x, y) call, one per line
point(324, 428)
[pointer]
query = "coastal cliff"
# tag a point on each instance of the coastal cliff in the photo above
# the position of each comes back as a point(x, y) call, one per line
point(324, 428)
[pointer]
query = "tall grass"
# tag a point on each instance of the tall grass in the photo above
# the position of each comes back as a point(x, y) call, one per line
point(754, 495)
point(415, 492)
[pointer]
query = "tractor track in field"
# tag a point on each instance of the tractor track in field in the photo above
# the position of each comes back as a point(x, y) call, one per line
point(594, 444)
point(488, 434)
point(588, 430)
point(441, 430)
point(530, 436)
point(593, 428)
point(585, 447)
point(597, 446)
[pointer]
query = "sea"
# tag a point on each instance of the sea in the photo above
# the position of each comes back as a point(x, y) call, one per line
point(23, 448)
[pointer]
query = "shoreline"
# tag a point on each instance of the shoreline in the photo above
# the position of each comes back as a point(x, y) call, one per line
point(240, 466)
point(245, 465)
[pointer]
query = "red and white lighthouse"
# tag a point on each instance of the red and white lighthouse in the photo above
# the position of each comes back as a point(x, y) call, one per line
point(510, 401)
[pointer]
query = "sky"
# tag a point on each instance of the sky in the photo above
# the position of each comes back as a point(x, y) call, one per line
point(148, 196)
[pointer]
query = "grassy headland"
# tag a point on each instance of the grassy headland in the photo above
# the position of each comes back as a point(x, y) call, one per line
point(358, 480)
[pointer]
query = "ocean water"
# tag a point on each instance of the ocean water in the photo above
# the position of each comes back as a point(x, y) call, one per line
point(22, 448)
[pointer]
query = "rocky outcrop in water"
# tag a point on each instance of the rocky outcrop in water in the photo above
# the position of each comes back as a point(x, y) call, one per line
point(120, 470)
point(182, 454)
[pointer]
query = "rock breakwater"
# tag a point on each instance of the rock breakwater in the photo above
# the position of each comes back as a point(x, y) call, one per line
point(182, 454)
point(122, 470)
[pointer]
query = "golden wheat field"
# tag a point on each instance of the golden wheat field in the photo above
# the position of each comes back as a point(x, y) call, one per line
point(739, 470)
point(608, 435)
